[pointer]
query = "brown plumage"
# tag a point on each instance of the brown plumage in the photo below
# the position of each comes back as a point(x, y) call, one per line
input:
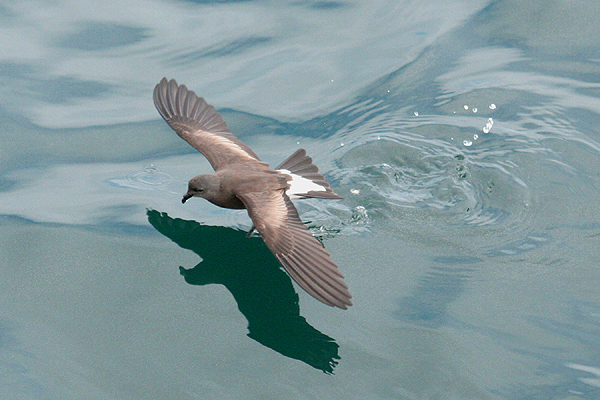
point(241, 180)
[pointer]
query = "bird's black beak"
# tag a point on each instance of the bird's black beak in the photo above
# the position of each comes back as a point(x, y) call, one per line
point(186, 197)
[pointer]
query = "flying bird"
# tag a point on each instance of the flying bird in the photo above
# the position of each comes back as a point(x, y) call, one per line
point(241, 180)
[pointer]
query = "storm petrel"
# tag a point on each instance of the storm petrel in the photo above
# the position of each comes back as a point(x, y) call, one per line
point(241, 180)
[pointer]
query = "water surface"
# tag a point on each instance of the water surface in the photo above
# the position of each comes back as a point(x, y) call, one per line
point(463, 136)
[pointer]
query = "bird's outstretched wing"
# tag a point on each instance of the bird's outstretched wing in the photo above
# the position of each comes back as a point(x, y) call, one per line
point(302, 256)
point(200, 125)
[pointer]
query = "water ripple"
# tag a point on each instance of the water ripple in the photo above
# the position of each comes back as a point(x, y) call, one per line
point(410, 172)
point(148, 179)
point(415, 175)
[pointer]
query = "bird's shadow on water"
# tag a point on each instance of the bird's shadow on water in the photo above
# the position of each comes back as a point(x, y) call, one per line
point(263, 291)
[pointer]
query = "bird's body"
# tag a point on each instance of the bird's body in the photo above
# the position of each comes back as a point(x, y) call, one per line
point(231, 183)
point(241, 181)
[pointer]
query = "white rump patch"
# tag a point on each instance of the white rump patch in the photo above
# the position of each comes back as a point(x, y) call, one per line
point(300, 185)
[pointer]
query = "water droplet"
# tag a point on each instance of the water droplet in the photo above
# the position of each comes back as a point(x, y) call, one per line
point(492, 106)
point(342, 144)
point(488, 126)
point(416, 113)
point(475, 136)
point(467, 143)
point(355, 191)
point(474, 109)
point(466, 107)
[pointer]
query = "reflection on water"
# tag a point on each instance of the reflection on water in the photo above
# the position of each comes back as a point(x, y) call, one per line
point(263, 292)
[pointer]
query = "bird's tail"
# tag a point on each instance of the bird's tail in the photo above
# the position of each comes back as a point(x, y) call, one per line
point(300, 164)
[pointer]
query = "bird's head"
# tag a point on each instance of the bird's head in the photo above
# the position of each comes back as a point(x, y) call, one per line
point(205, 186)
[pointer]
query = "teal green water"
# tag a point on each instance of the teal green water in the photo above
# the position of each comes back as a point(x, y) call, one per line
point(464, 139)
